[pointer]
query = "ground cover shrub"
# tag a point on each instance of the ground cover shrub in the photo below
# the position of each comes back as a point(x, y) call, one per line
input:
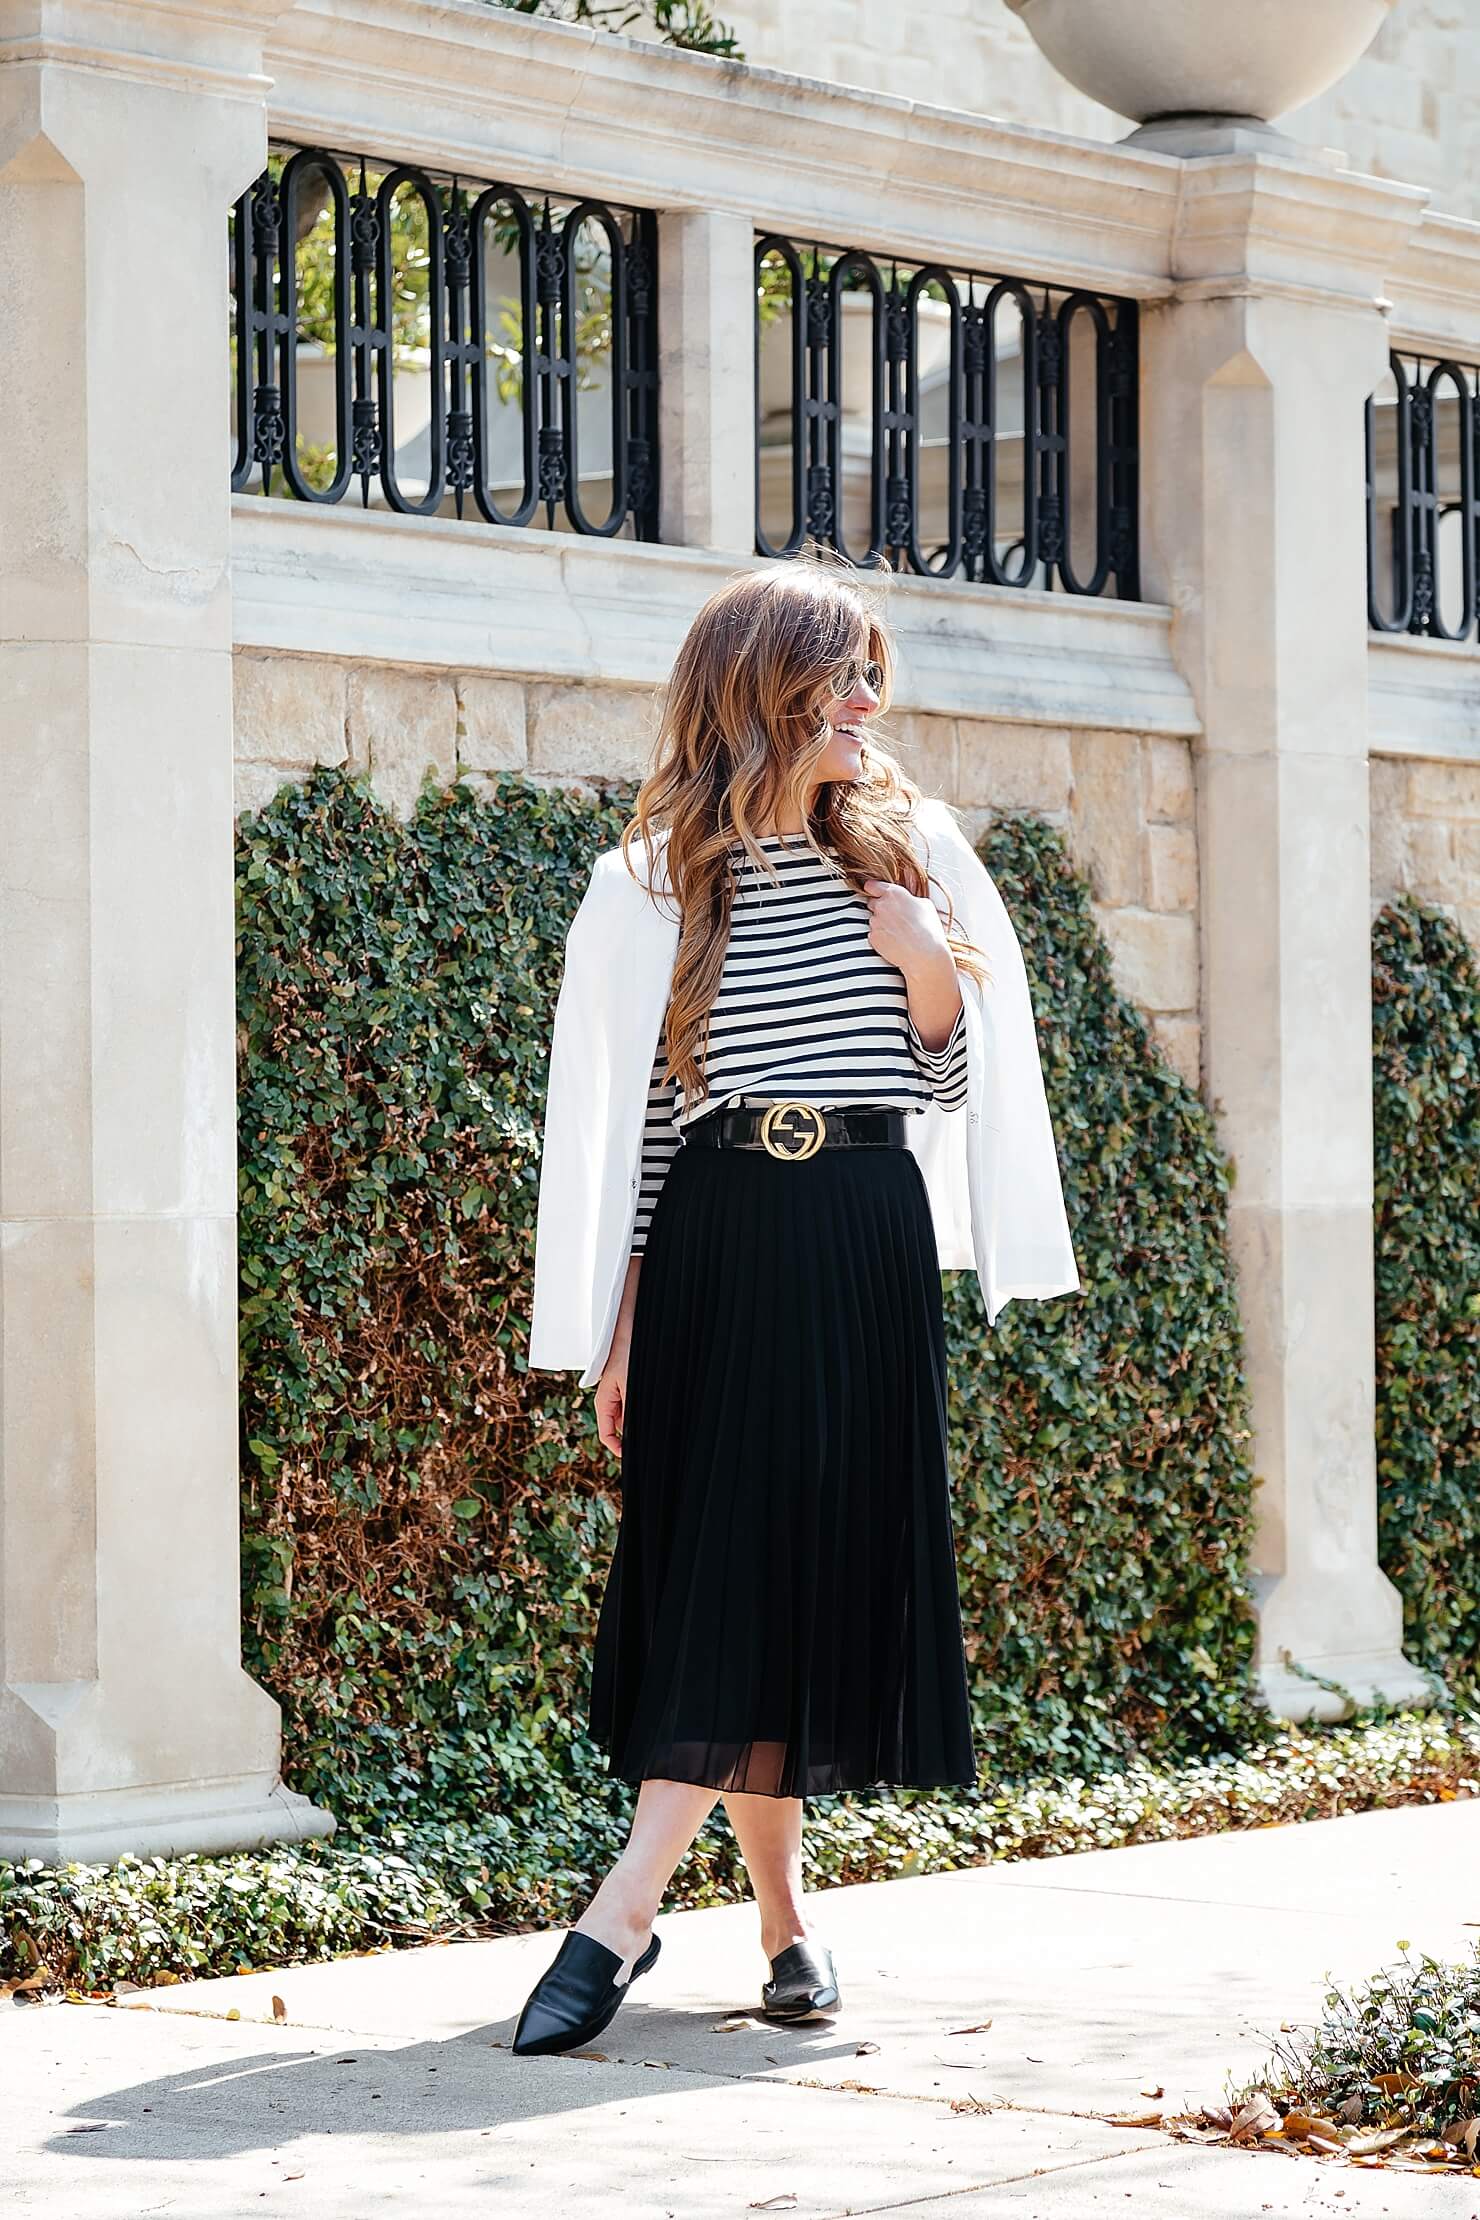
point(1387, 2076)
point(90, 1927)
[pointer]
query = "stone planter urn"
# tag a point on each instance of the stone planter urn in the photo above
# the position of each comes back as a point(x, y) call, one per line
point(1184, 68)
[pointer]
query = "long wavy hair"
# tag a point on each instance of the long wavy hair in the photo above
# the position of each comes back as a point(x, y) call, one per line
point(743, 726)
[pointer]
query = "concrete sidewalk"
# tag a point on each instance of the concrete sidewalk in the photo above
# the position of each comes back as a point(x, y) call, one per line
point(390, 2087)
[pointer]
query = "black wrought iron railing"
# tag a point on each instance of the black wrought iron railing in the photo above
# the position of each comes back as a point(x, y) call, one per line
point(1423, 503)
point(945, 422)
point(447, 346)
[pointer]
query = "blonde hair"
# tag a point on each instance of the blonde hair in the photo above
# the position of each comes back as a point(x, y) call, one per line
point(742, 728)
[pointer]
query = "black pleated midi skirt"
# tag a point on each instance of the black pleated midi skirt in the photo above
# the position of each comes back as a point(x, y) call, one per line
point(781, 1615)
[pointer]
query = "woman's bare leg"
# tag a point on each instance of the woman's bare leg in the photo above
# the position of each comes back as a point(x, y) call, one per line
point(769, 1832)
point(668, 1816)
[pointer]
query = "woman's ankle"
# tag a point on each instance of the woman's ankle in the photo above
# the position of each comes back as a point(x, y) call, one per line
point(780, 1934)
point(620, 1914)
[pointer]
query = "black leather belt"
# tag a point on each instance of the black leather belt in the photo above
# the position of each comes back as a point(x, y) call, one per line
point(794, 1131)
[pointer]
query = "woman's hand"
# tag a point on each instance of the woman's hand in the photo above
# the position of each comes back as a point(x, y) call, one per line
point(905, 928)
point(611, 1399)
point(611, 1388)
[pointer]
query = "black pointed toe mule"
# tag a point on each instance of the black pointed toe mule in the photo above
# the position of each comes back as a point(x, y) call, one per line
point(571, 2003)
point(803, 1984)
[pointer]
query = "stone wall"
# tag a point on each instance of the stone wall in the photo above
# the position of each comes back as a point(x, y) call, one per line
point(1426, 835)
point(1410, 108)
point(1124, 801)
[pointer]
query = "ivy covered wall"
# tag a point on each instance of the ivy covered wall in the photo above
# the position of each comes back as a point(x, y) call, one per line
point(427, 1523)
point(1426, 1028)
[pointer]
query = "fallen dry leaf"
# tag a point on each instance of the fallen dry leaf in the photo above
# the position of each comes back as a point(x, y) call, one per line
point(27, 1987)
point(280, 2012)
point(980, 2029)
point(732, 2026)
point(1300, 2125)
point(1462, 2135)
point(1130, 2119)
point(1153, 2089)
point(1257, 2117)
point(1393, 2085)
point(1381, 2139)
point(866, 2050)
point(164, 1979)
point(786, 2202)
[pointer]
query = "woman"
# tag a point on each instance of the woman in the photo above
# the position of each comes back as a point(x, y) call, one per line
point(786, 1090)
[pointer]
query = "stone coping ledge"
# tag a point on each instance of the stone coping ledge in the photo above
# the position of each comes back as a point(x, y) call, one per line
point(501, 95)
point(433, 591)
point(1424, 697)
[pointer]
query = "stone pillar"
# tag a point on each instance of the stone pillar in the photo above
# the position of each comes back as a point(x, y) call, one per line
point(1255, 374)
point(126, 1721)
point(706, 394)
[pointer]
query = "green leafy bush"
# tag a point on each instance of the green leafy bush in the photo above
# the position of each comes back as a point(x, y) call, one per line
point(427, 1523)
point(1103, 1490)
point(1391, 2066)
point(423, 1520)
point(1426, 1027)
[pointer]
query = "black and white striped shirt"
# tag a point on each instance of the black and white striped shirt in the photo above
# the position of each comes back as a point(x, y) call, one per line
point(806, 1010)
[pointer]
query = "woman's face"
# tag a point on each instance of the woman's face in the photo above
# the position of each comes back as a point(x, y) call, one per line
point(847, 713)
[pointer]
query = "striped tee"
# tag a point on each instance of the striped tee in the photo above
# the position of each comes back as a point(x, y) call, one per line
point(806, 1010)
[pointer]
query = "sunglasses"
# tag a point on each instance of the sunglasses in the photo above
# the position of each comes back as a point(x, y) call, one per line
point(846, 678)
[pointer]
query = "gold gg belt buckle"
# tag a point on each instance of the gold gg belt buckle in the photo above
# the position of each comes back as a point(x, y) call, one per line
point(780, 1135)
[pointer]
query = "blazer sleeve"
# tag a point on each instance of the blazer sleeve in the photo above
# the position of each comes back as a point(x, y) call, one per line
point(613, 992)
point(1030, 1253)
point(572, 1172)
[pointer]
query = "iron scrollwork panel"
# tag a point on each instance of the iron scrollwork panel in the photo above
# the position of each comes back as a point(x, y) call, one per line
point(1423, 499)
point(993, 462)
point(407, 296)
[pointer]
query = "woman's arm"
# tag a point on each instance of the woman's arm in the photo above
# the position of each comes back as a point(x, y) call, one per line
point(934, 990)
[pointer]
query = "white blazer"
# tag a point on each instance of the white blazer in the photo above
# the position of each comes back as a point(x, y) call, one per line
point(992, 1172)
